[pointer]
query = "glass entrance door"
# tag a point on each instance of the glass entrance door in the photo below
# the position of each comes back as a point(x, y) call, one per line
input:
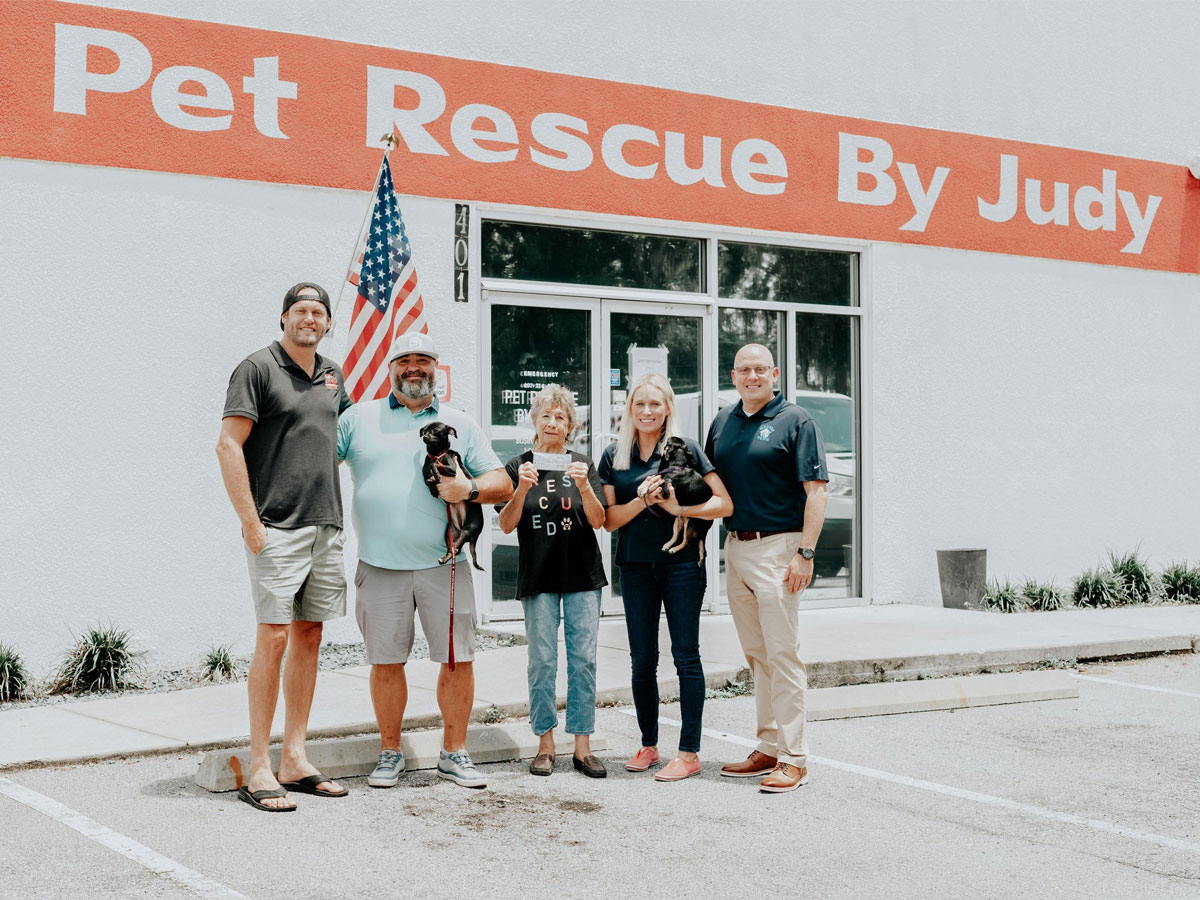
point(596, 348)
point(640, 338)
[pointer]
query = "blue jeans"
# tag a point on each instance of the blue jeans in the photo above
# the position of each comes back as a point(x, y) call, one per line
point(648, 588)
point(581, 625)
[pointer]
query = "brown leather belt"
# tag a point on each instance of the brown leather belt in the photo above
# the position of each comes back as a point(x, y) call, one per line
point(755, 535)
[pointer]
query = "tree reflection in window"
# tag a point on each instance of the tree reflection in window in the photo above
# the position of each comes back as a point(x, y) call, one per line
point(516, 250)
point(738, 327)
point(786, 274)
point(824, 353)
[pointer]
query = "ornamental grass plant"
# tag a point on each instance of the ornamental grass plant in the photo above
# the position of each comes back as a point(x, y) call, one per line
point(1181, 583)
point(219, 664)
point(15, 682)
point(1097, 588)
point(1001, 596)
point(102, 659)
point(1040, 596)
point(1138, 581)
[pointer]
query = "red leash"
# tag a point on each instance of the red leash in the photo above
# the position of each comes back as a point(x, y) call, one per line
point(453, 560)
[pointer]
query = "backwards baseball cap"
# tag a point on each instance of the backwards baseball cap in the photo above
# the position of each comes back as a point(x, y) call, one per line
point(293, 296)
point(413, 342)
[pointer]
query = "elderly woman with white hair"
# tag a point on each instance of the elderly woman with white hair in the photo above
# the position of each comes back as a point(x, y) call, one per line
point(559, 571)
point(654, 580)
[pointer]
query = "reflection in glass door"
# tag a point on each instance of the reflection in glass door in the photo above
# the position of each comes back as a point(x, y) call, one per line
point(668, 340)
point(536, 342)
point(532, 346)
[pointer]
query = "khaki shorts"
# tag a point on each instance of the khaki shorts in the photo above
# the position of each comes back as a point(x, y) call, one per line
point(384, 603)
point(298, 575)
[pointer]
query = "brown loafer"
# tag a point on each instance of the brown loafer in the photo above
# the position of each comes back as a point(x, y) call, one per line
point(590, 766)
point(786, 777)
point(543, 764)
point(753, 765)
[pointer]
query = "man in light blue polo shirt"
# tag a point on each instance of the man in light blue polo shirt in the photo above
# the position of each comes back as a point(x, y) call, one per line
point(401, 531)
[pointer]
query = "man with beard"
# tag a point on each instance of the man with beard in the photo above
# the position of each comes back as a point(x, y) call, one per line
point(278, 454)
point(401, 531)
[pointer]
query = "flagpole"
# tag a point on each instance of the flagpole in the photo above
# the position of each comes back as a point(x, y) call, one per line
point(390, 140)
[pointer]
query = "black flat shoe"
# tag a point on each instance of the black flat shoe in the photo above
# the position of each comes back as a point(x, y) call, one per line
point(590, 766)
point(543, 764)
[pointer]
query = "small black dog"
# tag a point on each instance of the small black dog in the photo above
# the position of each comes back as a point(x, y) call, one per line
point(466, 519)
point(683, 484)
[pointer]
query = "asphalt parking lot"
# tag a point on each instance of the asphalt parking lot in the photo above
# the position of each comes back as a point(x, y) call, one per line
point(1097, 797)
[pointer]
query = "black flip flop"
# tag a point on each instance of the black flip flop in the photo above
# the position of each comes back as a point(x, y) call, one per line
point(253, 797)
point(309, 786)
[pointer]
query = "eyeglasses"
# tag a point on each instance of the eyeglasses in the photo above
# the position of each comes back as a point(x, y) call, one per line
point(760, 371)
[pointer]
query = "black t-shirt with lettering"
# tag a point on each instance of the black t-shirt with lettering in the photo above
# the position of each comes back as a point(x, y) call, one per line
point(559, 553)
point(291, 454)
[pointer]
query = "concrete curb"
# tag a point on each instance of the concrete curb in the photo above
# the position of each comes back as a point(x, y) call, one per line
point(866, 671)
point(225, 770)
point(890, 698)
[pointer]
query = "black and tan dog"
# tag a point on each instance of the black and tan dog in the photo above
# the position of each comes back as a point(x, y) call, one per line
point(466, 519)
point(684, 484)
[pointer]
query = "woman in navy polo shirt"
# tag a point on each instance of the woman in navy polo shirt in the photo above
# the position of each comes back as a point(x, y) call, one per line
point(652, 579)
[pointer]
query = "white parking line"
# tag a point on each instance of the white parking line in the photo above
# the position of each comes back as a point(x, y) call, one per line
point(1028, 809)
point(127, 847)
point(1140, 687)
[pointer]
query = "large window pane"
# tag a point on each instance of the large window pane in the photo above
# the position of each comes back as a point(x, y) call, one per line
point(788, 274)
point(532, 347)
point(588, 256)
point(826, 387)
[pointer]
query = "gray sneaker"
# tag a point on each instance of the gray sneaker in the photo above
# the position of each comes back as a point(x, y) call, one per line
point(388, 770)
point(457, 767)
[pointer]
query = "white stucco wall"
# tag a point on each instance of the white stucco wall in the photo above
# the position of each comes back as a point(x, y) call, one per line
point(1042, 409)
point(131, 297)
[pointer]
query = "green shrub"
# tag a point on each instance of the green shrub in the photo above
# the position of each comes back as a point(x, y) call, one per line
point(14, 677)
point(1096, 588)
point(102, 659)
point(1001, 596)
point(1138, 583)
point(219, 664)
point(1042, 597)
point(1181, 583)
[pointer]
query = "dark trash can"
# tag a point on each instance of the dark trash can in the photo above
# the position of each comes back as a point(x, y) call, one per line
point(963, 575)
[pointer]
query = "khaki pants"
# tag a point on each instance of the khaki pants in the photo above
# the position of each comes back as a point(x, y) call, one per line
point(767, 617)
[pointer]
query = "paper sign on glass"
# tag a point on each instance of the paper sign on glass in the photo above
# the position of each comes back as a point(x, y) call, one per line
point(551, 462)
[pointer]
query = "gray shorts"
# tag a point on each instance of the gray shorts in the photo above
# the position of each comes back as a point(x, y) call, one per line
point(298, 575)
point(384, 602)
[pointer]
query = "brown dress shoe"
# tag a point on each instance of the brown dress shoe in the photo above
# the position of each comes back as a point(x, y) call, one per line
point(543, 764)
point(786, 777)
point(753, 765)
point(590, 766)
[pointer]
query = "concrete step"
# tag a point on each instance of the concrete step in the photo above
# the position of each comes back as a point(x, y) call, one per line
point(226, 770)
point(891, 697)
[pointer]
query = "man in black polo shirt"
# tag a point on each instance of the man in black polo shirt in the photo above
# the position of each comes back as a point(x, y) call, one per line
point(278, 453)
point(770, 455)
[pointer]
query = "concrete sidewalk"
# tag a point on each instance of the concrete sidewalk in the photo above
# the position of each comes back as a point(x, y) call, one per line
point(840, 646)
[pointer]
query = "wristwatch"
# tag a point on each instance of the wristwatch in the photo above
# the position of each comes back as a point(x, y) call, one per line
point(807, 552)
point(474, 495)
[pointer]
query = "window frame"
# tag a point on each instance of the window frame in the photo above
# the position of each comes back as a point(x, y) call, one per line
point(711, 235)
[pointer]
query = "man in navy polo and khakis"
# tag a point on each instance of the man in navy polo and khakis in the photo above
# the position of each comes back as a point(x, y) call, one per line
point(771, 457)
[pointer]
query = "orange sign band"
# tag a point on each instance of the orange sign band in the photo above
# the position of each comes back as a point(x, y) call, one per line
point(96, 86)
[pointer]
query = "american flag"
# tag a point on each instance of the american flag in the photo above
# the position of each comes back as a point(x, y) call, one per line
point(388, 302)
